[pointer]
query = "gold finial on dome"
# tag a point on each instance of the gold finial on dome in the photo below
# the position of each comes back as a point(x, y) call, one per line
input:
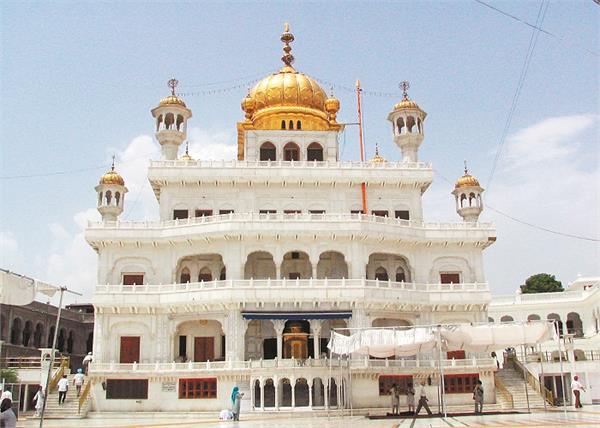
point(332, 106)
point(377, 158)
point(467, 180)
point(186, 156)
point(172, 99)
point(406, 101)
point(112, 176)
point(248, 105)
point(287, 38)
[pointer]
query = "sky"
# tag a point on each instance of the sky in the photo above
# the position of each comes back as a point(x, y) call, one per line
point(78, 80)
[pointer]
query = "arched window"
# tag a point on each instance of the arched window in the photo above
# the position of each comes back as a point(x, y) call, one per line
point(223, 275)
point(108, 196)
point(314, 152)
point(298, 125)
point(400, 125)
point(472, 200)
point(283, 124)
point(204, 275)
point(99, 198)
point(179, 123)
point(381, 274)
point(15, 332)
point(410, 124)
point(463, 200)
point(185, 276)
point(38, 335)
point(400, 275)
point(117, 198)
point(268, 152)
point(27, 333)
point(50, 337)
point(70, 342)
point(291, 124)
point(506, 318)
point(60, 342)
point(291, 152)
point(159, 122)
point(169, 121)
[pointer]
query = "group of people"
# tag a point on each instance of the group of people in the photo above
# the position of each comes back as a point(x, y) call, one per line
point(423, 400)
point(8, 419)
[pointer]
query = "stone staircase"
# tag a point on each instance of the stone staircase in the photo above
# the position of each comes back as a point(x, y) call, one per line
point(513, 381)
point(69, 409)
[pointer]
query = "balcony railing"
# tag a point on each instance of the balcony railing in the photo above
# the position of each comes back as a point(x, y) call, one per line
point(562, 296)
point(287, 164)
point(287, 218)
point(286, 364)
point(292, 283)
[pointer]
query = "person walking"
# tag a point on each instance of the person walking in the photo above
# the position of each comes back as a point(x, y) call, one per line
point(63, 387)
point(395, 396)
point(8, 419)
point(78, 380)
point(236, 398)
point(423, 400)
point(87, 361)
point(410, 398)
point(577, 387)
point(478, 397)
point(39, 401)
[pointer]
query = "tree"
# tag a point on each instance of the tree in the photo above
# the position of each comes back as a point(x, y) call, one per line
point(541, 283)
point(9, 375)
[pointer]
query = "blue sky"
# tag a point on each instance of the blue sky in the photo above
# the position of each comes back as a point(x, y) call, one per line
point(78, 81)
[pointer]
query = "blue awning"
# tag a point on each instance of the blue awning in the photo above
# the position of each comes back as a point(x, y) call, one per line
point(296, 315)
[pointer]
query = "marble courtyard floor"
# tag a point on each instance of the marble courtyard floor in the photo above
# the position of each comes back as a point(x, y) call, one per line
point(587, 417)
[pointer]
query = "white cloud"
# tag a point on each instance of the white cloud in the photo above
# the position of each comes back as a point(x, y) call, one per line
point(11, 256)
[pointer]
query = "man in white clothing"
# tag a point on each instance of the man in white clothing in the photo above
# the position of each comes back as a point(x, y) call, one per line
point(577, 387)
point(423, 400)
point(63, 387)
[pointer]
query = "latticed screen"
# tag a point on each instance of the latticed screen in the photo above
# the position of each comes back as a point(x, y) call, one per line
point(133, 389)
point(460, 383)
point(386, 382)
point(198, 388)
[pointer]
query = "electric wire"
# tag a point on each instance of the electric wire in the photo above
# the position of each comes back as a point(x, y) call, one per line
point(525, 68)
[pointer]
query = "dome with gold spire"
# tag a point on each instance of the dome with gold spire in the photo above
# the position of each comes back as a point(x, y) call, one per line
point(172, 99)
point(406, 103)
point(186, 156)
point(112, 176)
point(289, 95)
point(467, 180)
point(377, 158)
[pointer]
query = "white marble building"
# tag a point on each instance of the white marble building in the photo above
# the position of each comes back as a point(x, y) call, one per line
point(255, 260)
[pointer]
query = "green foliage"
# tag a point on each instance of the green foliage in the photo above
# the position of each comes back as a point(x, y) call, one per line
point(9, 375)
point(541, 283)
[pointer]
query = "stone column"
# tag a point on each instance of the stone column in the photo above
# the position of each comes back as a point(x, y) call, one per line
point(277, 390)
point(235, 332)
point(278, 262)
point(293, 385)
point(310, 400)
point(316, 326)
point(326, 391)
point(279, 325)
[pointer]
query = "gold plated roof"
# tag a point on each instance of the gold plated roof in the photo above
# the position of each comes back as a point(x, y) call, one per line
point(406, 102)
point(172, 99)
point(467, 180)
point(112, 176)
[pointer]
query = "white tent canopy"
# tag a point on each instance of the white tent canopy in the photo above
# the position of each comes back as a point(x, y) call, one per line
point(480, 338)
point(384, 342)
point(404, 342)
point(19, 290)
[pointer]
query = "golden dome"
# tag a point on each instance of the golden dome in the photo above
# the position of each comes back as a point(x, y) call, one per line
point(112, 176)
point(289, 96)
point(467, 180)
point(377, 158)
point(186, 156)
point(406, 102)
point(172, 99)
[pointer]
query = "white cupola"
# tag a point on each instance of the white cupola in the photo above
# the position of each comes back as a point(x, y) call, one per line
point(171, 122)
point(407, 122)
point(468, 195)
point(111, 194)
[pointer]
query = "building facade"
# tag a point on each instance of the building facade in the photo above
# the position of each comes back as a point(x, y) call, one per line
point(254, 261)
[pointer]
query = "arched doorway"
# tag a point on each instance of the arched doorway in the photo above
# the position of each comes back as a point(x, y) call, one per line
point(259, 265)
point(558, 322)
point(332, 264)
point(314, 152)
point(386, 266)
point(301, 393)
point(291, 152)
point(269, 393)
point(199, 341)
point(574, 324)
point(296, 265)
point(268, 152)
point(285, 389)
point(318, 392)
point(295, 339)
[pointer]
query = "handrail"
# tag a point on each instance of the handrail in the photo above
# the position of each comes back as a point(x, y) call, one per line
point(25, 362)
point(64, 364)
point(500, 387)
point(532, 381)
point(84, 395)
point(345, 164)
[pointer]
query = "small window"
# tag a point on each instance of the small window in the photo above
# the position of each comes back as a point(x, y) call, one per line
point(198, 388)
point(386, 382)
point(283, 124)
point(292, 211)
point(316, 211)
point(180, 214)
point(268, 151)
point(381, 274)
point(185, 276)
point(291, 124)
point(183, 346)
point(460, 383)
point(291, 152)
point(380, 213)
point(222, 212)
point(298, 125)
point(203, 213)
point(450, 278)
point(133, 279)
point(295, 255)
point(267, 211)
point(402, 215)
point(314, 152)
point(126, 389)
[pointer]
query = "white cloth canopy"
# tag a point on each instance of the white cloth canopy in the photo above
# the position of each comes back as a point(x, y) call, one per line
point(384, 342)
point(19, 290)
point(480, 338)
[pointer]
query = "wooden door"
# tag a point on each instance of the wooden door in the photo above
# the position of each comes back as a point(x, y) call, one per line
point(130, 349)
point(204, 348)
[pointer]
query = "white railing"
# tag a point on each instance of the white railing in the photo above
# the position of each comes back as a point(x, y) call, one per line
point(281, 217)
point(287, 364)
point(288, 164)
point(290, 283)
point(575, 295)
